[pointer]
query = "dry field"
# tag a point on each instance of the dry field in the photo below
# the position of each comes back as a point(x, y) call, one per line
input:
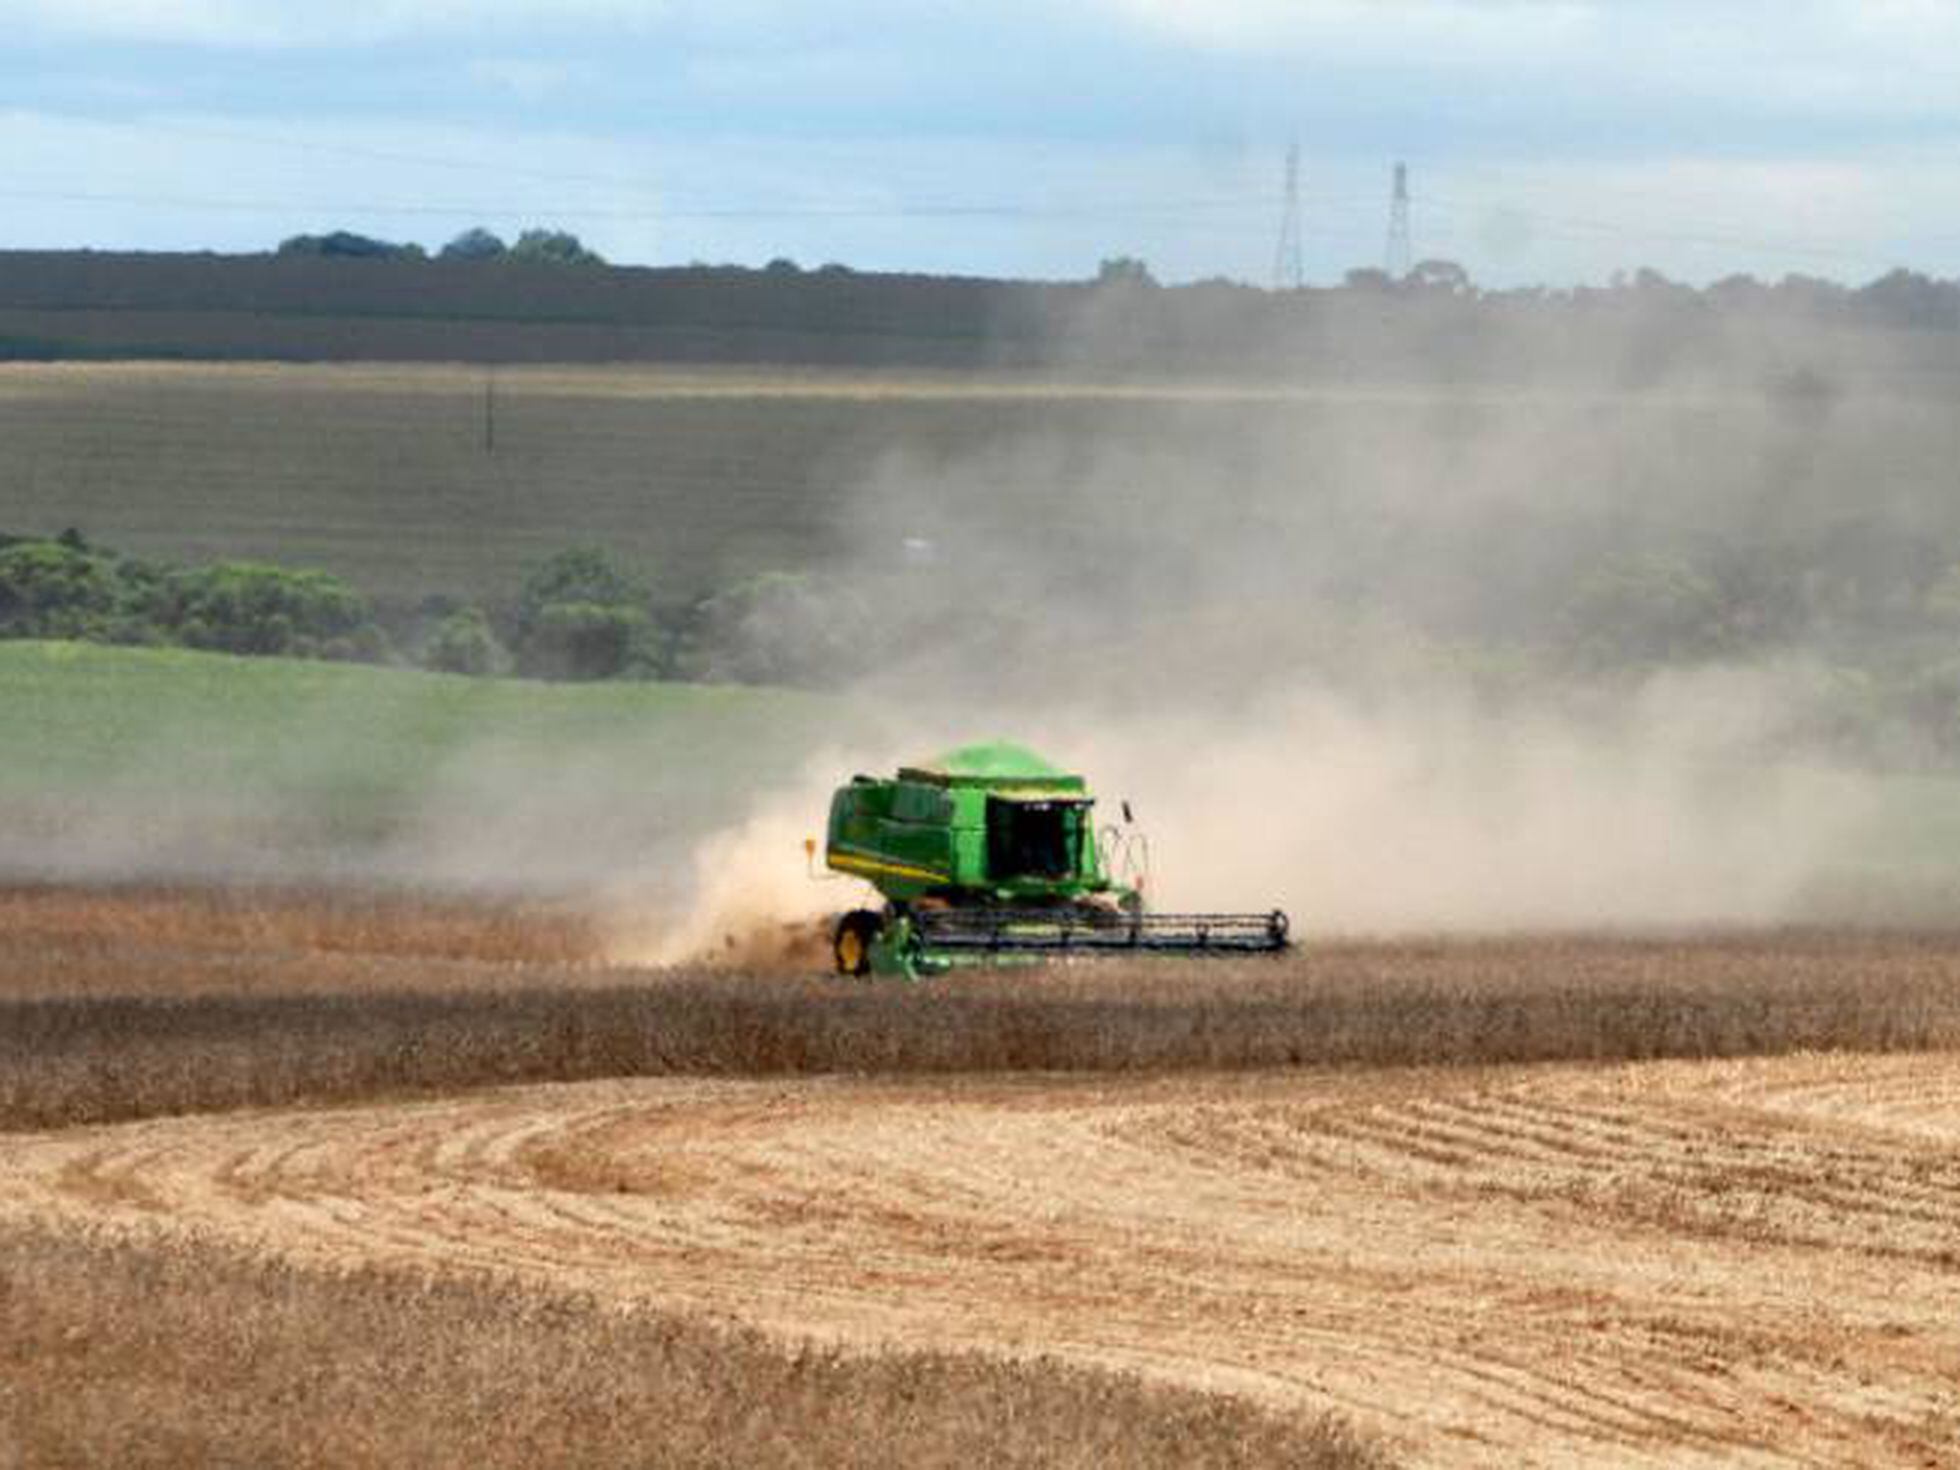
point(704, 475)
point(1510, 1202)
point(191, 1353)
point(699, 475)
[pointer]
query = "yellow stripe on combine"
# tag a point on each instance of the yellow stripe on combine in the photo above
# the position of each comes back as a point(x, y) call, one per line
point(877, 867)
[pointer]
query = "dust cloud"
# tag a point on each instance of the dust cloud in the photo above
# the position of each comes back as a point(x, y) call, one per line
point(1395, 655)
point(1373, 656)
point(1428, 813)
point(1437, 817)
point(751, 898)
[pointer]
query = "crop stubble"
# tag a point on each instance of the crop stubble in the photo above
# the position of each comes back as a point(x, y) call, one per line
point(1662, 1263)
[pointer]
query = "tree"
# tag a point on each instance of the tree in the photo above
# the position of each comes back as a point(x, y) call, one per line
point(579, 616)
point(1811, 294)
point(1906, 298)
point(1443, 276)
point(249, 607)
point(1737, 291)
point(58, 589)
point(347, 245)
point(553, 247)
point(463, 643)
point(1654, 286)
point(581, 574)
point(585, 640)
point(475, 243)
point(1124, 270)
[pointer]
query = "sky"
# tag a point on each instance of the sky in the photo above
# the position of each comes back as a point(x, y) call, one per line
point(1548, 141)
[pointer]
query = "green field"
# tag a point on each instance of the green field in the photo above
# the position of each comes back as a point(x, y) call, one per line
point(167, 763)
point(156, 760)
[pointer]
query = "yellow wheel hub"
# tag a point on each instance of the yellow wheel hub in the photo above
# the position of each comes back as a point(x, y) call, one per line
point(850, 951)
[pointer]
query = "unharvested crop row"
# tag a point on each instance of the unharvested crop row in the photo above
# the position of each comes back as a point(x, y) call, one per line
point(94, 1058)
point(51, 933)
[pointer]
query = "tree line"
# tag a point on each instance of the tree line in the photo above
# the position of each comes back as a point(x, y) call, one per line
point(531, 247)
point(479, 298)
point(1886, 678)
point(578, 615)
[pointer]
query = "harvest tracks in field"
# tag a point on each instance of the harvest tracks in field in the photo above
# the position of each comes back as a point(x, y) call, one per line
point(1667, 1263)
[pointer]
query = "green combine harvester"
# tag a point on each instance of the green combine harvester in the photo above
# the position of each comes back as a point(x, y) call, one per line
point(990, 855)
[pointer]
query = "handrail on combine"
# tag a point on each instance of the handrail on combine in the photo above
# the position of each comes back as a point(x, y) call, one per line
point(1045, 930)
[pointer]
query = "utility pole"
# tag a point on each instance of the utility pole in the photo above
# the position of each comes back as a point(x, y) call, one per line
point(1288, 272)
point(1399, 255)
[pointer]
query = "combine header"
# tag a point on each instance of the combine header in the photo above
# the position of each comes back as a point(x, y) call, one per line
point(990, 855)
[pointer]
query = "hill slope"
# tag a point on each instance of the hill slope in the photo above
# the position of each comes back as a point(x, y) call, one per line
point(135, 763)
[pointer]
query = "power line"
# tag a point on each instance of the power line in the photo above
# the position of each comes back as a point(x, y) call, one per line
point(390, 155)
point(1704, 201)
point(1592, 228)
point(1006, 209)
point(1190, 212)
point(1398, 248)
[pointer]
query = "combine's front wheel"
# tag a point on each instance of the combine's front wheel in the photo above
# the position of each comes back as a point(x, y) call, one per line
point(857, 931)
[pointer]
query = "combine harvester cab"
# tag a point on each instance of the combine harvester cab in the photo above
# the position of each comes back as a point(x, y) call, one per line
point(990, 855)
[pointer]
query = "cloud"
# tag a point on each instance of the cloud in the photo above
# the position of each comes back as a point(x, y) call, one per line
point(1842, 57)
point(1516, 30)
point(290, 23)
point(1551, 139)
point(528, 81)
point(1138, 67)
